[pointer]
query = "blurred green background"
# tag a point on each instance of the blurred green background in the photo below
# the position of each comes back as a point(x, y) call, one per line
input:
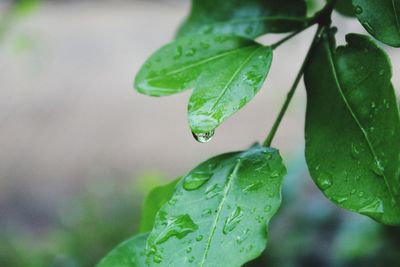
point(80, 149)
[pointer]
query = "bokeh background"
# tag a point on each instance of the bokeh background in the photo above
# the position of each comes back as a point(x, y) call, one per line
point(79, 148)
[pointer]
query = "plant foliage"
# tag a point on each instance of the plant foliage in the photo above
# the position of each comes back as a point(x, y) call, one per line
point(218, 214)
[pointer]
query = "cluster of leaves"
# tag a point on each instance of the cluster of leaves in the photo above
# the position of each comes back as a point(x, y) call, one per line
point(218, 214)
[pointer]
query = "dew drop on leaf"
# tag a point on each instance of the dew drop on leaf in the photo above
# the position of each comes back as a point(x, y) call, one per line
point(358, 10)
point(195, 180)
point(213, 191)
point(191, 52)
point(178, 52)
point(178, 226)
point(232, 221)
point(203, 137)
point(199, 238)
point(157, 259)
point(355, 152)
point(191, 259)
point(377, 168)
point(206, 213)
point(375, 208)
point(324, 180)
point(241, 238)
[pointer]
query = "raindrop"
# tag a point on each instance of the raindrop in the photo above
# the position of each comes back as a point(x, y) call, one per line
point(191, 259)
point(253, 187)
point(203, 137)
point(191, 52)
point(205, 45)
point(381, 72)
point(206, 213)
point(358, 10)
point(232, 221)
point(267, 208)
point(195, 180)
point(375, 208)
point(355, 152)
point(324, 180)
point(178, 226)
point(157, 259)
point(189, 249)
point(199, 238)
point(241, 238)
point(178, 52)
point(377, 168)
point(213, 191)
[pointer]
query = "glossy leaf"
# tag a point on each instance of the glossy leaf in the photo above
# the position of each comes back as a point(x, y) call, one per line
point(227, 72)
point(381, 18)
point(247, 18)
point(345, 7)
point(219, 213)
point(153, 202)
point(353, 128)
point(130, 253)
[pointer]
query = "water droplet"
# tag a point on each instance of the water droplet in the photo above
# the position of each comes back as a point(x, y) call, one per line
point(324, 180)
point(361, 194)
point(208, 29)
point(267, 208)
point(252, 78)
point(373, 104)
point(191, 259)
point(353, 191)
point(157, 259)
point(199, 238)
point(232, 221)
point(213, 191)
point(275, 174)
point(191, 52)
point(189, 249)
point(241, 238)
point(205, 45)
point(178, 226)
point(377, 168)
point(178, 52)
point(195, 180)
point(358, 10)
point(355, 152)
point(206, 213)
point(203, 137)
point(253, 187)
point(381, 72)
point(375, 208)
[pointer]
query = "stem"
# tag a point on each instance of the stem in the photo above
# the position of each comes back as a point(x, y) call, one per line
point(322, 17)
point(292, 90)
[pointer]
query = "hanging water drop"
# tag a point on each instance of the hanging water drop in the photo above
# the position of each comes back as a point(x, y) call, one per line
point(203, 137)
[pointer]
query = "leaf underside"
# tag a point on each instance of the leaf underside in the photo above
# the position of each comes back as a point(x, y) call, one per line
point(381, 18)
point(353, 128)
point(222, 207)
point(247, 18)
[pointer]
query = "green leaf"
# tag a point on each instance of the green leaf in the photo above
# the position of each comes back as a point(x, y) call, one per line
point(227, 72)
point(353, 128)
point(381, 18)
point(247, 18)
point(130, 253)
point(219, 213)
point(153, 202)
point(345, 7)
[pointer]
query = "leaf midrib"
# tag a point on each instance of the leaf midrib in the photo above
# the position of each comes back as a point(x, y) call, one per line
point(231, 177)
point(339, 86)
point(200, 62)
point(233, 77)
